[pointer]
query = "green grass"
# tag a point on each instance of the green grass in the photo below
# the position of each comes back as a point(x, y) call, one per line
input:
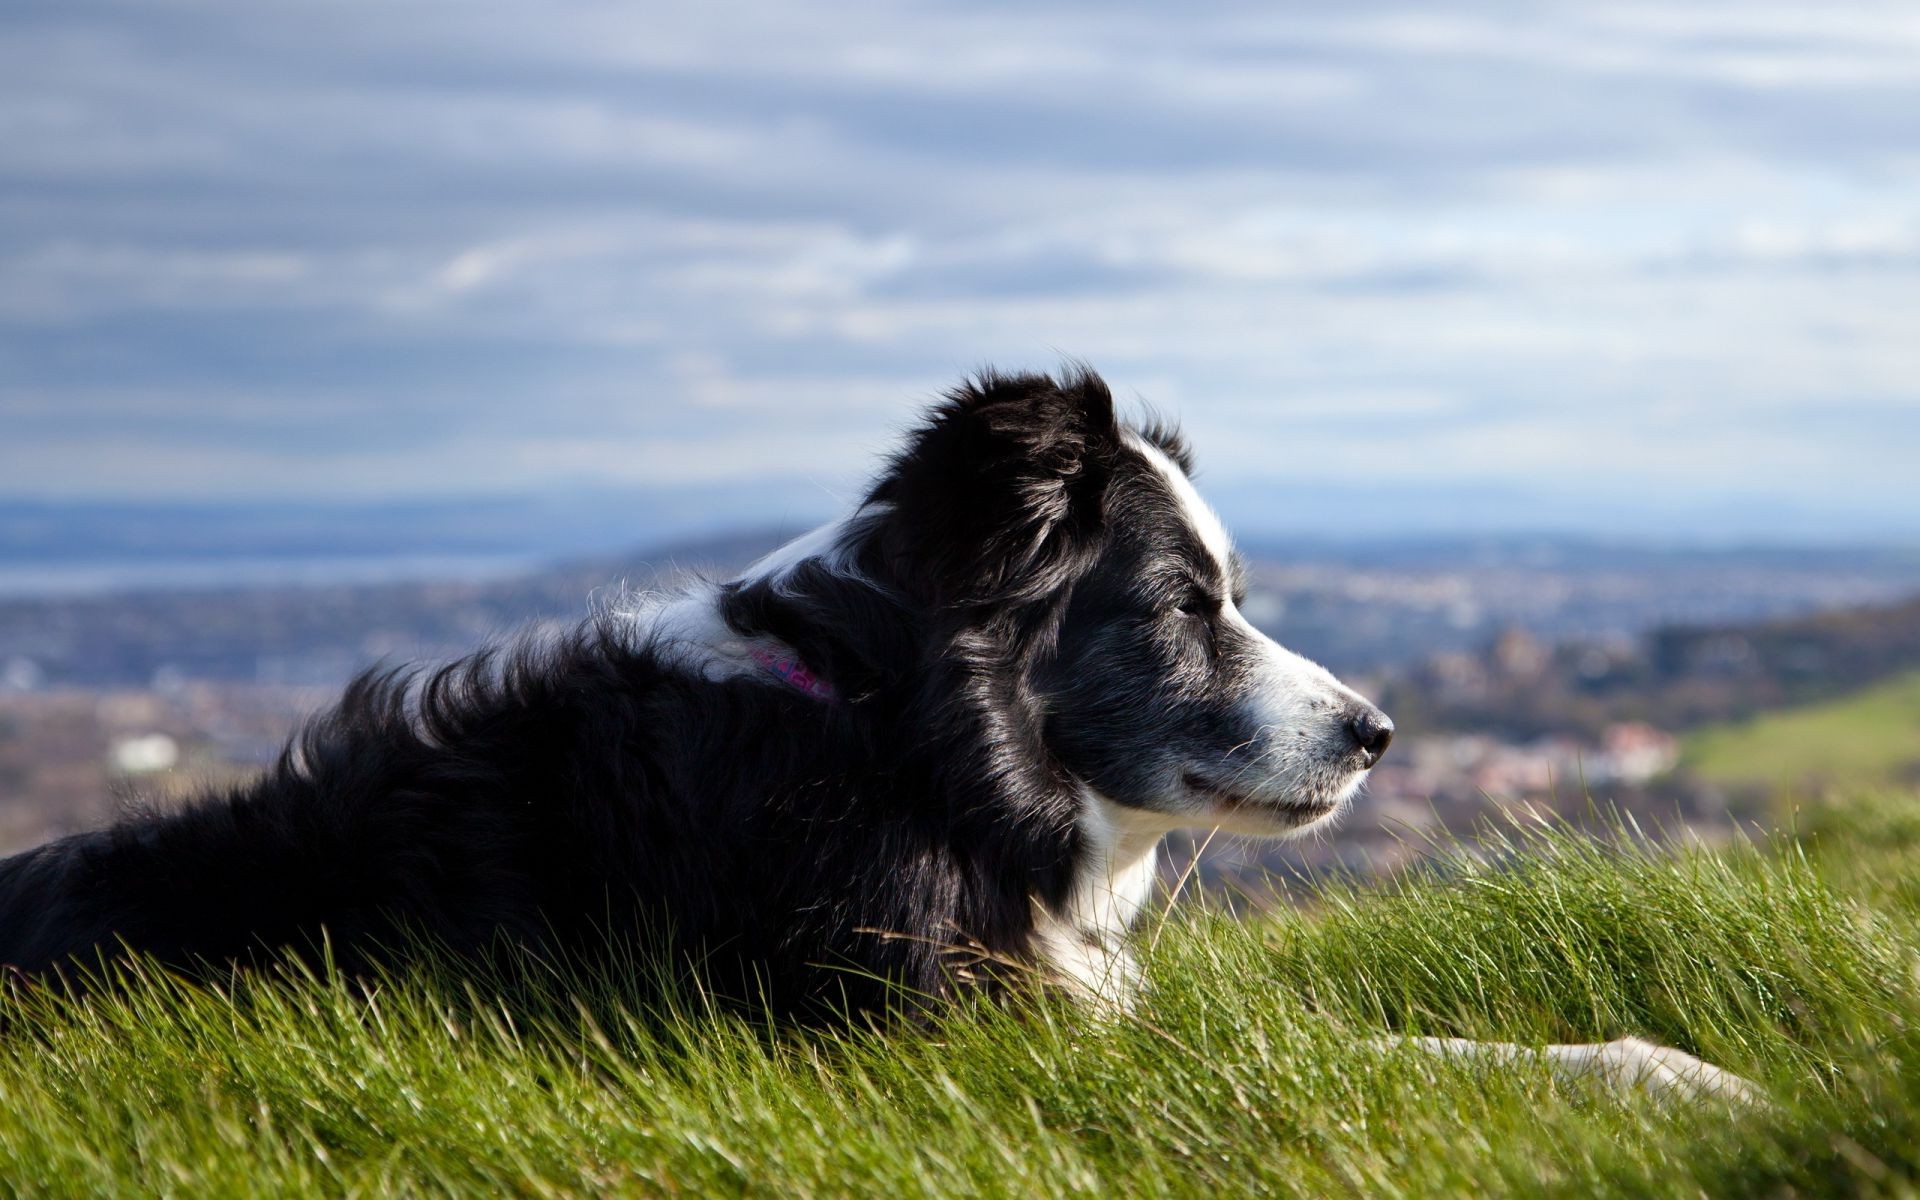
point(1248, 1071)
point(1872, 736)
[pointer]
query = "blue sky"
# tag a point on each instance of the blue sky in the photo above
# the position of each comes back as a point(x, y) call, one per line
point(1651, 269)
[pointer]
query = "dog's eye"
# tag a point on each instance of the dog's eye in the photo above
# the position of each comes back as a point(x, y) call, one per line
point(1199, 604)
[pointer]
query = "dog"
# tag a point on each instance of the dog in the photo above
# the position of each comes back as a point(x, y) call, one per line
point(927, 750)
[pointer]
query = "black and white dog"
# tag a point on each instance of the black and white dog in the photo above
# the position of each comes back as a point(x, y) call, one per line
point(932, 747)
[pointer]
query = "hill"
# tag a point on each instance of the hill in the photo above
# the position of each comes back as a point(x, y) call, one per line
point(1675, 676)
point(320, 634)
point(1361, 609)
point(1248, 1072)
point(1871, 736)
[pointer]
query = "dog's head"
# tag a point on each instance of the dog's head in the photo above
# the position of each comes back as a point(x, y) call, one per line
point(1025, 499)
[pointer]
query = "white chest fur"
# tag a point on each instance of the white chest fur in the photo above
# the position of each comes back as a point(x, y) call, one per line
point(1083, 943)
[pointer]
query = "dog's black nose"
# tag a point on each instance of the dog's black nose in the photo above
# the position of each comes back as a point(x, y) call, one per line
point(1371, 731)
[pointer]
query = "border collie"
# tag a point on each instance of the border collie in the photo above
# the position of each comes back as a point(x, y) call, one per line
point(930, 748)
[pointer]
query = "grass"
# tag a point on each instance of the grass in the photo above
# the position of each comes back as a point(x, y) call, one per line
point(1248, 1071)
point(1871, 736)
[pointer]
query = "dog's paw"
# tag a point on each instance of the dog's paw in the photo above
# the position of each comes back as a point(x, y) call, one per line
point(1627, 1066)
point(1632, 1064)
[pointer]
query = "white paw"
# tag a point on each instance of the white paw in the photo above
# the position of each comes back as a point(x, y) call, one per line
point(1626, 1065)
point(1631, 1063)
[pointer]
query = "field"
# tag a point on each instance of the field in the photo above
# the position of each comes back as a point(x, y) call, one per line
point(1867, 737)
point(1248, 1072)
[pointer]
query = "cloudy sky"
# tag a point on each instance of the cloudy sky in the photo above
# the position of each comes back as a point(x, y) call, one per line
point(1643, 268)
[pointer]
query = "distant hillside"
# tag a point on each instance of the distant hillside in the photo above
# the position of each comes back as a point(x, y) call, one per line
point(1869, 737)
point(319, 634)
point(1676, 677)
point(1361, 608)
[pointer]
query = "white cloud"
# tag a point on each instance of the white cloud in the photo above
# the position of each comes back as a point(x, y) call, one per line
point(369, 245)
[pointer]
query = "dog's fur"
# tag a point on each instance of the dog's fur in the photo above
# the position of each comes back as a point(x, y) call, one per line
point(930, 748)
point(1033, 668)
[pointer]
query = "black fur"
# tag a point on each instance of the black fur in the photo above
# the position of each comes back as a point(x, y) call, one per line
point(806, 855)
point(1021, 627)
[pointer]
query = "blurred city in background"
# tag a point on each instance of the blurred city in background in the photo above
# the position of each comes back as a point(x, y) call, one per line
point(1555, 362)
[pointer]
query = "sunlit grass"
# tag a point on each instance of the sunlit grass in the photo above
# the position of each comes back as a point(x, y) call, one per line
point(1871, 736)
point(1249, 1069)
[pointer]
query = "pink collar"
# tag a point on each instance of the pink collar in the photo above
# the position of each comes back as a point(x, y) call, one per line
point(786, 666)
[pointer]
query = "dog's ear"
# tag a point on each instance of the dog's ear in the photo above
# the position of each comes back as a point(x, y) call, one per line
point(1000, 496)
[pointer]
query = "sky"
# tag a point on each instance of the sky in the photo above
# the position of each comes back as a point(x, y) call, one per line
point(1642, 269)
